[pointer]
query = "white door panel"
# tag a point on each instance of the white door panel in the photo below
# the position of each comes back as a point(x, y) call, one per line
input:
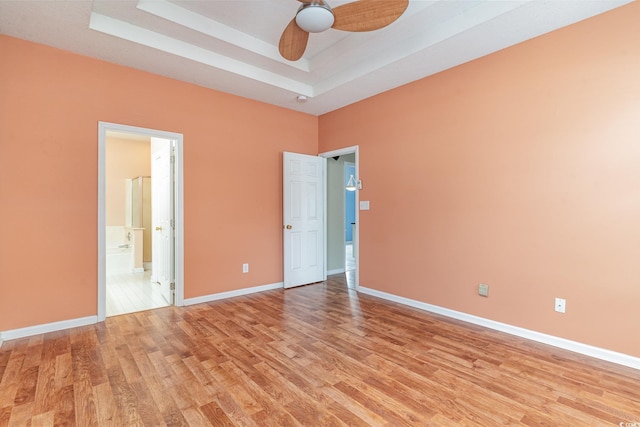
point(162, 217)
point(303, 214)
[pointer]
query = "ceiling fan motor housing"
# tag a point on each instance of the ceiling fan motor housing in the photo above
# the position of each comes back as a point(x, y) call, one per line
point(315, 17)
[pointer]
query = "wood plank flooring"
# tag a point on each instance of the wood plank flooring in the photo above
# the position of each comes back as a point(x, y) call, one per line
point(318, 355)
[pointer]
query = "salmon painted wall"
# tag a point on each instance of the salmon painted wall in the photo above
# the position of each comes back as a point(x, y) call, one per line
point(124, 159)
point(520, 170)
point(50, 106)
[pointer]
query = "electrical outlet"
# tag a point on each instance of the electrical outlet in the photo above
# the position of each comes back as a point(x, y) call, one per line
point(245, 268)
point(483, 290)
point(561, 305)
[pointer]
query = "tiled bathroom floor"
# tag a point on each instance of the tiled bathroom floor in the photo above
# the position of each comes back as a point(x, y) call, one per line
point(127, 293)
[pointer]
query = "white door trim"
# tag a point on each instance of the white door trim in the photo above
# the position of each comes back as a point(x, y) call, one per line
point(341, 152)
point(103, 127)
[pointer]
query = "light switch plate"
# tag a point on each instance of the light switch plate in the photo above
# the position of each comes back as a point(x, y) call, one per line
point(364, 205)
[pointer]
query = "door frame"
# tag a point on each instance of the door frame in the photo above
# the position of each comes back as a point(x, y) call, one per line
point(355, 149)
point(103, 127)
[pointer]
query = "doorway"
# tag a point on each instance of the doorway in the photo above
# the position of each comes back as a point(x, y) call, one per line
point(350, 224)
point(342, 229)
point(131, 273)
point(128, 225)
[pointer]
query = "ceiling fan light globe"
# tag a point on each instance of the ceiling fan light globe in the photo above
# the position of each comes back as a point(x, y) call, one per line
point(314, 18)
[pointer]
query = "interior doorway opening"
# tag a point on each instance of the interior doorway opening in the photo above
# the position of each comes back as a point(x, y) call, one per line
point(342, 218)
point(134, 216)
point(350, 224)
point(128, 234)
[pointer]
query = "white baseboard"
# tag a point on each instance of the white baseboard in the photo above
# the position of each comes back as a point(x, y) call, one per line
point(47, 327)
point(89, 320)
point(231, 294)
point(576, 347)
point(336, 271)
point(138, 270)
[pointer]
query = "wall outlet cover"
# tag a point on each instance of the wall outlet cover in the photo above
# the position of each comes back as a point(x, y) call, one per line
point(483, 290)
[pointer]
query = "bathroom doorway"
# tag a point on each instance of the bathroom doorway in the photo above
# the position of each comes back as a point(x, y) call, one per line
point(140, 205)
point(129, 235)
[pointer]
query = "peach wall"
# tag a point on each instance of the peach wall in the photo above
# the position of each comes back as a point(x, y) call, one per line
point(49, 111)
point(520, 170)
point(124, 159)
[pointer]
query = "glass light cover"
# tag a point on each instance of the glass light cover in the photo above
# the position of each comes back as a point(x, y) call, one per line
point(314, 18)
point(351, 185)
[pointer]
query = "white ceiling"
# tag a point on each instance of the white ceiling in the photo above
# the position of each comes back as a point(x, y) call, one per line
point(232, 45)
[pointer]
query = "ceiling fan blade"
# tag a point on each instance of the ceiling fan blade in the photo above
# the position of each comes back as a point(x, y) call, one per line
point(368, 15)
point(293, 41)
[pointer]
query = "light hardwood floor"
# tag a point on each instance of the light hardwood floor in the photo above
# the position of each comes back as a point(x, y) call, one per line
point(314, 356)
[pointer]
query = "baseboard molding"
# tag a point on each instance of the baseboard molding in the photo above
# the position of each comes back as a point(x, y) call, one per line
point(47, 327)
point(89, 320)
point(336, 271)
point(576, 347)
point(138, 270)
point(231, 294)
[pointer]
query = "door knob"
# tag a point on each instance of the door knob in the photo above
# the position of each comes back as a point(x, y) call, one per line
point(158, 228)
point(288, 227)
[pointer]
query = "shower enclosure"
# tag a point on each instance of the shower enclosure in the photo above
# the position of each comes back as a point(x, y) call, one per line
point(141, 212)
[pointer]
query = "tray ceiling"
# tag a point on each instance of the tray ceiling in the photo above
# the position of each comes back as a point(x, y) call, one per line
point(232, 46)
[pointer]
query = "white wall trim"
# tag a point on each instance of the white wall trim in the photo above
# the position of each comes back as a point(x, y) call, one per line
point(48, 327)
point(576, 347)
point(336, 271)
point(231, 294)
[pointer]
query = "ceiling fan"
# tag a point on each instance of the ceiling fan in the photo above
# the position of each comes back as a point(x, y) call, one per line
point(315, 16)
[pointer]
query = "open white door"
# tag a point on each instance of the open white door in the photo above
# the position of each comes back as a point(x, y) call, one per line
point(162, 217)
point(303, 215)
